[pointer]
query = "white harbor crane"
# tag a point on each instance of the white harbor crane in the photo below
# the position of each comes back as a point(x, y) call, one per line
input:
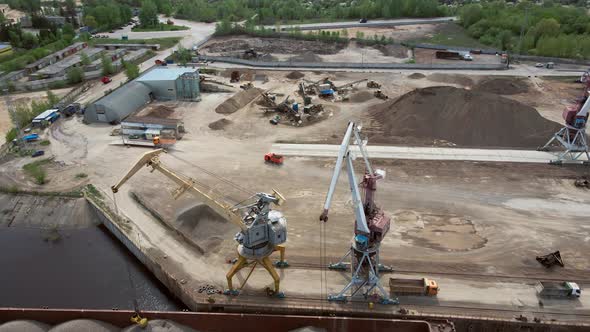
point(371, 225)
point(573, 134)
point(262, 230)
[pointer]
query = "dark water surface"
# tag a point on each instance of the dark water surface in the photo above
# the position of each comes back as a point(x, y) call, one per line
point(75, 268)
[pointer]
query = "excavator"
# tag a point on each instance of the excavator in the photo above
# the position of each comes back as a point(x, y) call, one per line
point(262, 230)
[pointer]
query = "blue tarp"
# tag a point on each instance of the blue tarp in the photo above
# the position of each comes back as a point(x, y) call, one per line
point(327, 92)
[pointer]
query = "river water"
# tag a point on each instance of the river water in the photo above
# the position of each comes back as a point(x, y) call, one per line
point(75, 268)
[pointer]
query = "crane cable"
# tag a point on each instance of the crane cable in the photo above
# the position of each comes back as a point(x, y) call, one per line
point(220, 178)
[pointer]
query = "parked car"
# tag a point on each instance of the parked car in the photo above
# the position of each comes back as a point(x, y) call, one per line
point(363, 20)
point(539, 65)
point(38, 153)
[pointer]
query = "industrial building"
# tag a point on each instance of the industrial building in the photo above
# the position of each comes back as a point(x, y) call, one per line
point(160, 83)
point(45, 118)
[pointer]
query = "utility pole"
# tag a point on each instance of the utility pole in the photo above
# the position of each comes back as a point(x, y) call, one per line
point(524, 24)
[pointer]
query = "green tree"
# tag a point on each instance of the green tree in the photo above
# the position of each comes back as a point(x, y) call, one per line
point(52, 99)
point(90, 21)
point(131, 70)
point(183, 55)
point(107, 66)
point(68, 29)
point(75, 75)
point(84, 59)
point(470, 14)
point(148, 16)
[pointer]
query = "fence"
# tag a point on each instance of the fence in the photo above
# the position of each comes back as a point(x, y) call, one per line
point(349, 65)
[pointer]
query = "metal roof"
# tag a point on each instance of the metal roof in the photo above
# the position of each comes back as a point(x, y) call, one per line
point(45, 114)
point(165, 74)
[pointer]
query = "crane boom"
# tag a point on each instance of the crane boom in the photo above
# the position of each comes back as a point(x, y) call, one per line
point(344, 152)
point(151, 159)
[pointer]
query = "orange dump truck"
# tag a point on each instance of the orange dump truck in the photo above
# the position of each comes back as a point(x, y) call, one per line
point(422, 286)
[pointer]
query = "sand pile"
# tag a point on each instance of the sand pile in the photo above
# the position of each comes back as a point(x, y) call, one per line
point(295, 75)
point(160, 111)
point(416, 76)
point(220, 124)
point(451, 79)
point(503, 86)
point(361, 96)
point(466, 118)
point(205, 227)
point(306, 57)
point(238, 101)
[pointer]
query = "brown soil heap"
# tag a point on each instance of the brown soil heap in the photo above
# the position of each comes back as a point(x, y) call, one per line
point(451, 79)
point(295, 75)
point(503, 86)
point(466, 118)
point(361, 96)
point(160, 111)
point(416, 76)
point(238, 101)
point(220, 124)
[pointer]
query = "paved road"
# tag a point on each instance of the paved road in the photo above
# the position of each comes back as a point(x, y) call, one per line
point(376, 23)
point(420, 153)
point(197, 33)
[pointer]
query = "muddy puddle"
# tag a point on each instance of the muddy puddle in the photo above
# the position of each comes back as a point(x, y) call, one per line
point(438, 231)
point(75, 268)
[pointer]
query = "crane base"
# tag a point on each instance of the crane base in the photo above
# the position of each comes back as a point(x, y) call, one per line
point(339, 266)
point(337, 298)
point(281, 264)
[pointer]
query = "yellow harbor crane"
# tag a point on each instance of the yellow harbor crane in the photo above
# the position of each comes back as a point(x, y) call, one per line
point(262, 230)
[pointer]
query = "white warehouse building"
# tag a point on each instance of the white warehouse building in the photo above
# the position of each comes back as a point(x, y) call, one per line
point(159, 83)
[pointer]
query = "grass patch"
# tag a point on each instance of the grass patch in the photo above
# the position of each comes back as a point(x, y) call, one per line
point(164, 42)
point(161, 27)
point(45, 142)
point(450, 34)
point(36, 171)
point(15, 190)
point(81, 175)
point(93, 192)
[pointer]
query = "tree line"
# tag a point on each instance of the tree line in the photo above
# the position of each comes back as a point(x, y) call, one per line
point(271, 11)
point(527, 28)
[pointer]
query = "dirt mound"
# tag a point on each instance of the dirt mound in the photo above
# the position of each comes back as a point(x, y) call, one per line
point(159, 111)
point(220, 124)
point(238, 101)
point(503, 86)
point(463, 117)
point(203, 225)
point(306, 57)
point(295, 75)
point(451, 79)
point(416, 76)
point(361, 96)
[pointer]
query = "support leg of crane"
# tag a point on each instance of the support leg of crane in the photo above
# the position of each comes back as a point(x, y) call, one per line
point(238, 265)
point(281, 263)
point(341, 265)
point(275, 276)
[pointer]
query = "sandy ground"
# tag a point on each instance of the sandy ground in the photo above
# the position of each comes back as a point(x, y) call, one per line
point(398, 33)
point(428, 56)
point(477, 218)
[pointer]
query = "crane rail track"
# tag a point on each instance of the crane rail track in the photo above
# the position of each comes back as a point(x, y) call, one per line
point(325, 305)
point(312, 266)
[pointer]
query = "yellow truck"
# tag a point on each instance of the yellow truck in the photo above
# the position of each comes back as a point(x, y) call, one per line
point(420, 287)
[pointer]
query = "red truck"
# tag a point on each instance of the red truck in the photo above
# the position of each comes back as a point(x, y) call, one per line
point(273, 158)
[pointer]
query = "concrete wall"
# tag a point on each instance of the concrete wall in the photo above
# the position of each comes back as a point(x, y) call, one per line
point(163, 90)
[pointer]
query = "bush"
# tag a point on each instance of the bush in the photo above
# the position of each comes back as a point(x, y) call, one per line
point(81, 175)
point(11, 135)
point(44, 143)
point(75, 75)
point(35, 170)
point(57, 85)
